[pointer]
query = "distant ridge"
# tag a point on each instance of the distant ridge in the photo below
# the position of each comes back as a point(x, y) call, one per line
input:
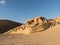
point(6, 25)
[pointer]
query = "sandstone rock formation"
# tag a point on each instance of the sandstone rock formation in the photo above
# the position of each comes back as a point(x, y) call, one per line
point(36, 24)
point(57, 20)
point(52, 22)
point(33, 25)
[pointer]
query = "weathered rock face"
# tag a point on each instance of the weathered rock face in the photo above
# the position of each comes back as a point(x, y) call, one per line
point(37, 24)
point(57, 19)
point(33, 25)
point(52, 22)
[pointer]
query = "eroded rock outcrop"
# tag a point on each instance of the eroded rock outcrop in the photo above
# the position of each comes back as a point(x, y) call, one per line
point(52, 22)
point(33, 25)
point(57, 20)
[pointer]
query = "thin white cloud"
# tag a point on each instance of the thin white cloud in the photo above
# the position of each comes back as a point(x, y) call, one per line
point(2, 1)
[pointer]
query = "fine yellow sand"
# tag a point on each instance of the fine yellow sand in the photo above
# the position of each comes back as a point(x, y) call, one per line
point(50, 36)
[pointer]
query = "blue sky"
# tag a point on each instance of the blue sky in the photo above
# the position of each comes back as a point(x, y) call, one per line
point(22, 10)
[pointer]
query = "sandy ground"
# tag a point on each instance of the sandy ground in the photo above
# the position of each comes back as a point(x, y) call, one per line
point(47, 37)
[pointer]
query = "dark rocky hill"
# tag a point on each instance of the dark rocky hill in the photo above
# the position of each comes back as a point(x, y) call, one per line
point(6, 25)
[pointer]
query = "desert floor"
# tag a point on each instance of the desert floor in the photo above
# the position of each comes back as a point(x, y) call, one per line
point(50, 36)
